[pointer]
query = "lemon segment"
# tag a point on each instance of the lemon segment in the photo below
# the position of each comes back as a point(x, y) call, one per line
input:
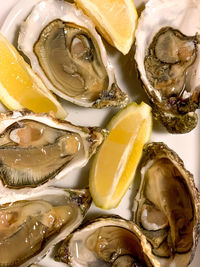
point(113, 167)
point(116, 20)
point(20, 87)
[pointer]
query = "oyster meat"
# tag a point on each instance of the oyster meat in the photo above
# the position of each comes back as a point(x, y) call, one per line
point(167, 206)
point(35, 148)
point(168, 60)
point(30, 227)
point(107, 241)
point(68, 54)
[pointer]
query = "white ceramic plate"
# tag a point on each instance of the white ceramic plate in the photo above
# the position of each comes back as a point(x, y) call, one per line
point(187, 145)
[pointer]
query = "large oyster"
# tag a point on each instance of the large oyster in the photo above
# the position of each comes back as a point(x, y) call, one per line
point(30, 227)
point(68, 54)
point(167, 206)
point(107, 241)
point(168, 60)
point(35, 148)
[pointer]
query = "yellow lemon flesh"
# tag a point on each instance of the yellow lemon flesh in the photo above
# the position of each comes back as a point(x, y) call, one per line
point(116, 20)
point(20, 87)
point(113, 167)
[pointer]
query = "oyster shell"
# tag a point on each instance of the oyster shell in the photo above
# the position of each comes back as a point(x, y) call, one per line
point(35, 148)
point(107, 241)
point(30, 227)
point(168, 60)
point(68, 54)
point(167, 206)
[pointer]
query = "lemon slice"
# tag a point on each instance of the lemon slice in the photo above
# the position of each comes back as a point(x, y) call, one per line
point(20, 87)
point(116, 20)
point(113, 167)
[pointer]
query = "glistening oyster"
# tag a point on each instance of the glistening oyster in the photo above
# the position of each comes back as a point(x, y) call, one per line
point(68, 54)
point(35, 149)
point(107, 241)
point(30, 227)
point(167, 206)
point(168, 60)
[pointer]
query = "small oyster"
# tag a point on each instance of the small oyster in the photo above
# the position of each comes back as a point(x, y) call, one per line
point(35, 148)
point(30, 227)
point(167, 206)
point(107, 241)
point(168, 60)
point(68, 54)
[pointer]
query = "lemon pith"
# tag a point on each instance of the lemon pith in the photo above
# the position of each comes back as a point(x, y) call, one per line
point(114, 165)
point(20, 87)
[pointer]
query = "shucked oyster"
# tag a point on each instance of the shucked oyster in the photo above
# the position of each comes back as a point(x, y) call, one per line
point(30, 227)
point(35, 148)
point(68, 54)
point(107, 241)
point(168, 59)
point(167, 206)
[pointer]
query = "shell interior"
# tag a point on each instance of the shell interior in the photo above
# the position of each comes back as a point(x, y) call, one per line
point(68, 54)
point(35, 149)
point(38, 223)
point(168, 59)
point(107, 241)
point(167, 205)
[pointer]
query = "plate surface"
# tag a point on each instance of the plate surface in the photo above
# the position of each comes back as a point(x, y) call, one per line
point(187, 145)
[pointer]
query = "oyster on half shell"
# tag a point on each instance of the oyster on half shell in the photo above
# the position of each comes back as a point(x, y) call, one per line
point(168, 60)
point(35, 148)
point(68, 54)
point(167, 206)
point(30, 227)
point(107, 241)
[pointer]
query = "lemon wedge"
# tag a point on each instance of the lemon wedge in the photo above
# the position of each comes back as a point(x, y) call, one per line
point(113, 167)
point(116, 20)
point(20, 87)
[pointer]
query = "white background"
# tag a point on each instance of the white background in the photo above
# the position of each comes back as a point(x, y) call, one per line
point(187, 145)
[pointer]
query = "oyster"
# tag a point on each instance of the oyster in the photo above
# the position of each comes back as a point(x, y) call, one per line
point(107, 241)
point(30, 227)
point(167, 206)
point(35, 148)
point(168, 60)
point(68, 54)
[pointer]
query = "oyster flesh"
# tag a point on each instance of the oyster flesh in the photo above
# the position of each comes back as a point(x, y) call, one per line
point(68, 54)
point(168, 60)
point(107, 241)
point(30, 227)
point(167, 206)
point(35, 148)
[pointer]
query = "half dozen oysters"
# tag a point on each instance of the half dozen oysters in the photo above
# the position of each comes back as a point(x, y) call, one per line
point(36, 149)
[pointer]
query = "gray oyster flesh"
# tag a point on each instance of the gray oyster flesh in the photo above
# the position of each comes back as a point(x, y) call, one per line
point(107, 241)
point(28, 227)
point(169, 58)
point(71, 59)
point(167, 204)
point(116, 246)
point(31, 153)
